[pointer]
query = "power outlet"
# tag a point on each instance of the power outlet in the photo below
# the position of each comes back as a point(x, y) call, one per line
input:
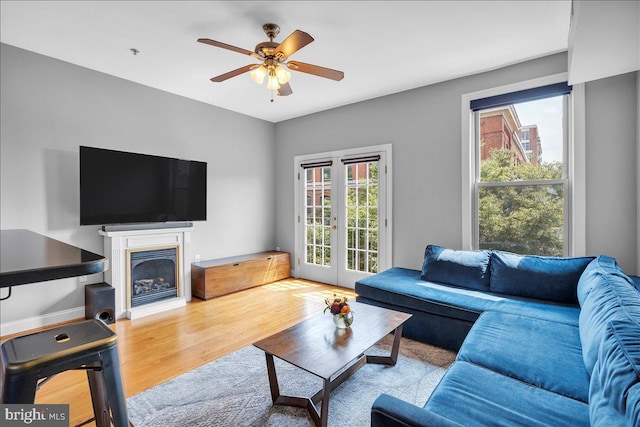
point(82, 279)
point(196, 257)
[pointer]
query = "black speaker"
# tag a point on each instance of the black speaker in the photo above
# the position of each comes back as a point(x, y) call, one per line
point(100, 302)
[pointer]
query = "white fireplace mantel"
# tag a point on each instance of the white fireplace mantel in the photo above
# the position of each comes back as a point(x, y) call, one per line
point(116, 244)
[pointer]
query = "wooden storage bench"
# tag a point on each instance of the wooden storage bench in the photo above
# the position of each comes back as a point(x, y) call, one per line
point(216, 277)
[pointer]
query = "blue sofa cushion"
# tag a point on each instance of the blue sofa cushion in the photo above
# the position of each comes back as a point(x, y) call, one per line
point(601, 266)
point(402, 287)
point(467, 269)
point(389, 411)
point(611, 297)
point(469, 394)
point(546, 278)
point(615, 384)
point(538, 352)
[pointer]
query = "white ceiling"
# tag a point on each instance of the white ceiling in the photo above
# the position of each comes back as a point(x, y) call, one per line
point(383, 47)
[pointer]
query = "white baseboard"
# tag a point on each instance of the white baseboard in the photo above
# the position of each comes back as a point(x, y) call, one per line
point(8, 328)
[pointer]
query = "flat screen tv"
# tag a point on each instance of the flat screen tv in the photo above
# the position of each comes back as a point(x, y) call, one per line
point(118, 187)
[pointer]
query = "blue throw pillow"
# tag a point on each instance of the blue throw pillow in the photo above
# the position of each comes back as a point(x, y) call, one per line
point(614, 391)
point(467, 269)
point(635, 281)
point(547, 278)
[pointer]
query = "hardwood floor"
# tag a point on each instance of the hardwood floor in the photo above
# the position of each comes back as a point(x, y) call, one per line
point(156, 348)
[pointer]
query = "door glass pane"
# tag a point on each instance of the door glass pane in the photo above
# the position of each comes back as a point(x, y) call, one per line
point(318, 215)
point(362, 217)
point(526, 219)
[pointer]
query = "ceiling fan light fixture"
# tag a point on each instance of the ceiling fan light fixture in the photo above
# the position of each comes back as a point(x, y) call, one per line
point(258, 74)
point(272, 81)
point(283, 75)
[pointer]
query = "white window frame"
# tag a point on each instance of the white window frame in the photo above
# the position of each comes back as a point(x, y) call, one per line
point(574, 161)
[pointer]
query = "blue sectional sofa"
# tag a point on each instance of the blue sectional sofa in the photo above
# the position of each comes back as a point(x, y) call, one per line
point(540, 340)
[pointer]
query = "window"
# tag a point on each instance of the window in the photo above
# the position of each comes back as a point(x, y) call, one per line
point(520, 198)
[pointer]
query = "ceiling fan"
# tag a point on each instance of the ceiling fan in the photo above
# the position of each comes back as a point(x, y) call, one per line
point(274, 57)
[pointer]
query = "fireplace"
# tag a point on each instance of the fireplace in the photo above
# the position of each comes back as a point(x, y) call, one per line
point(153, 275)
point(147, 269)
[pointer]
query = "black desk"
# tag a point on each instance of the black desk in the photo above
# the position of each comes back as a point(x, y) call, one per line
point(28, 257)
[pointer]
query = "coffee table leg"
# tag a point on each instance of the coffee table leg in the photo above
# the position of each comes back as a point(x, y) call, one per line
point(324, 409)
point(397, 335)
point(273, 379)
point(393, 357)
point(319, 419)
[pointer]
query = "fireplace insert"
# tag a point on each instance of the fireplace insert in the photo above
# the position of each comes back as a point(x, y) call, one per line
point(153, 275)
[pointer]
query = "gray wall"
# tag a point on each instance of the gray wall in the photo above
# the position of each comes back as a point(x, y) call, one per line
point(423, 125)
point(49, 108)
point(611, 165)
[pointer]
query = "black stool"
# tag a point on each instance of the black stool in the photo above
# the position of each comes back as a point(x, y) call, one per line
point(89, 345)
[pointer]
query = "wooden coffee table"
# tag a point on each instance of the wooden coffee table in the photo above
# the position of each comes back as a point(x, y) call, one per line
point(317, 346)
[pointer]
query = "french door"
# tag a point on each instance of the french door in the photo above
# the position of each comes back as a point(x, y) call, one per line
point(342, 219)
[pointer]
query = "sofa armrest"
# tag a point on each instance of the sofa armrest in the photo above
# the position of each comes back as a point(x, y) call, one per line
point(389, 411)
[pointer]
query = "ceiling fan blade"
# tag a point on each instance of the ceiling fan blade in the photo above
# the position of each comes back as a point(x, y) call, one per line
point(316, 70)
point(285, 90)
point(226, 76)
point(296, 41)
point(227, 46)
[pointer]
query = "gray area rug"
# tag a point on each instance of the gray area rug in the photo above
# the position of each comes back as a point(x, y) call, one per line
point(234, 390)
